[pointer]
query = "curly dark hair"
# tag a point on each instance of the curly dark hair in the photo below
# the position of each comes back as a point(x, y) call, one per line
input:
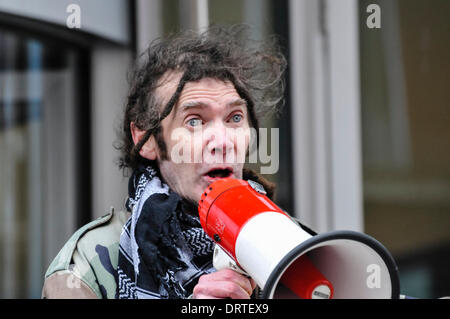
point(255, 68)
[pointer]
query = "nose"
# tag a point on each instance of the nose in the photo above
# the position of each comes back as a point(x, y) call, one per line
point(219, 142)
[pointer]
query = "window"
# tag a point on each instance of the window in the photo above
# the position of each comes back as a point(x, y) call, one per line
point(44, 134)
point(405, 136)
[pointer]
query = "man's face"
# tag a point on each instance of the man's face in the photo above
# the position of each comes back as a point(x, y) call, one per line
point(206, 135)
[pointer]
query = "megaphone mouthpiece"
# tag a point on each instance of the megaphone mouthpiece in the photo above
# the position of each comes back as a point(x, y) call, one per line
point(306, 281)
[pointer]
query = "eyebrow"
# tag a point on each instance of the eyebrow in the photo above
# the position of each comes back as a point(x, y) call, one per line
point(198, 104)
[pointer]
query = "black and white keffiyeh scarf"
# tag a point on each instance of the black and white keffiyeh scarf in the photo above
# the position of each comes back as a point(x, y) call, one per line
point(163, 249)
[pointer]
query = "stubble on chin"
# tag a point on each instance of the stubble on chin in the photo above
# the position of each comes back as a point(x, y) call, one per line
point(176, 179)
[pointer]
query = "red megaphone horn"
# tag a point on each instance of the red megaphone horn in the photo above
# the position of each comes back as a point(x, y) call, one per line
point(284, 259)
point(233, 214)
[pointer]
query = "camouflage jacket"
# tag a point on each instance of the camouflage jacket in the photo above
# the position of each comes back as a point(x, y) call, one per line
point(86, 265)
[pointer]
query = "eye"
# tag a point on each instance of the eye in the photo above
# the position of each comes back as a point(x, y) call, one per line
point(236, 118)
point(194, 122)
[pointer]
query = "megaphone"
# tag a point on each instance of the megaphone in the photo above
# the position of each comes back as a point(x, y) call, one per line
point(285, 260)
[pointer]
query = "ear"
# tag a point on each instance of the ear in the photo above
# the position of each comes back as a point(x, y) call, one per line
point(149, 150)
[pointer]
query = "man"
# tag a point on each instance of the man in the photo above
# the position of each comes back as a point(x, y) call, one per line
point(186, 124)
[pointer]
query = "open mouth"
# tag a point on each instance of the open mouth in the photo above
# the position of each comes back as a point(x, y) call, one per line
point(220, 173)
